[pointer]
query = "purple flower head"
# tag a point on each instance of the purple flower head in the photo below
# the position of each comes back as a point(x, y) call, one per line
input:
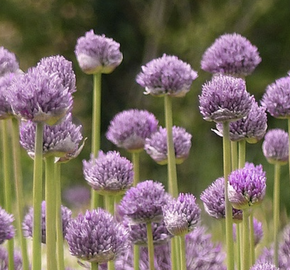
point(8, 62)
point(156, 145)
point(77, 196)
point(264, 266)
point(275, 146)
point(143, 203)
point(166, 75)
point(276, 98)
point(97, 54)
point(213, 199)
point(7, 230)
point(27, 224)
point(181, 214)
point(130, 128)
point(224, 98)
point(109, 173)
point(284, 249)
point(96, 236)
point(62, 67)
point(62, 140)
point(251, 128)
point(4, 259)
point(247, 186)
point(231, 54)
point(40, 96)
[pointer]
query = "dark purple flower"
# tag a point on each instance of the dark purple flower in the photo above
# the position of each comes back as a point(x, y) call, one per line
point(97, 54)
point(109, 173)
point(275, 146)
point(8, 62)
point(231, 54)
point(62, 140)
point(247, 186)
point(130, 128)
point(96, 237)
point(4, 259)
point(7, 230)
point(181, 214)
point(213, 199)
point(143, 203)
point(224, 98)
point(264, 266)
point(276, 98)
point(27, 224)
point(166, 75)
point(156, 145)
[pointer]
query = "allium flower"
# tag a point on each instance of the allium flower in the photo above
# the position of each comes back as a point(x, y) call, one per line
point(166, 75)
point(96, 237)
point(264, 266)
point(224, 98)
point(247, 186)
point(62, 140)
point(40, 96)
point(231, 54)
point(276, 98)
point(251, 128)
point(8, 62)
point(77, 195)
point(213, 199)
point(4, 259)
point(181, 214)
point(97, 53)
point(275, 146)
point(7, 230)
point(156, 145)
point(130, 128)
point(27, 224)
point(109, 173)
point(143, 203)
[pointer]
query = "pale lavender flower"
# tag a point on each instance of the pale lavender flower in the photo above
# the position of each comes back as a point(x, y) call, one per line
point(156, 145)
point(276, 98)
point(143, 203)
point(8, 62)
point(129, 129)
point(213, 199)
point(251, 128)
point(264, 266)
point(109, 173)
point(4, 258)
point(224, 98)
point(96, 236)
point(62, 140)
point(97, 53)
point(247, 186)
point(7, 230)
point(275, 146)
point(181, 214)
point(231, 54)
point(27, 224)
point(166, 75)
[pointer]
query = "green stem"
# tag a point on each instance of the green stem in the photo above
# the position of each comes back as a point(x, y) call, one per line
point(182, 252)
point(234, 155)
point(94, 266)
point(50, 202)
point(136, 160)
point(111, 265)
point(150, 245)
point(252, 238)
point(136, 257)
point(19, 191)
point(37, 197)
point(171, 166)
point(242, 153)
point(238, 245)
point(228, 210)
point(276, 214)
point(246, 257)
point(175, 262)
point(110, 204)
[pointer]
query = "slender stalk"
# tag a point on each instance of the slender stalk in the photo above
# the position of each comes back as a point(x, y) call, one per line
point(150, 245)
point(234, 155)
point(19, 191)
point(110, 204)
point(111, 265)
point(37, 197)
point(175, 260)
point(228, 210)
point(238, 245)
point(246, 257)
point(252, 238)
point(136, 257)
point(182, 252)
point(242, 153)
point(136, 161)
point(94, 266)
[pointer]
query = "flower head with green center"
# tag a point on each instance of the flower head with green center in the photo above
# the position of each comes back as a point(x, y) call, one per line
point(231, 54)
point(8, 62)
point(166, 75)
point(7, 230)
point(97, 54)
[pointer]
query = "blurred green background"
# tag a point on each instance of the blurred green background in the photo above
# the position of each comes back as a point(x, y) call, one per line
point(146, 29)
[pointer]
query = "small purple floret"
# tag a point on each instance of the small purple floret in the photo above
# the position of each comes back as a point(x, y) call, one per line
point(8, 62)
point(7, 230)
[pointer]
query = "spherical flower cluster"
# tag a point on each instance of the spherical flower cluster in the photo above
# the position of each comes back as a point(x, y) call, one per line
point(4, 259)
point(96, 237)
point(129, 129)
point(275, 146)
point(264, 266)
point(181, 214)
point(109, 173)
point(166, 75)
point(276, 98)
point(7, 230)
point(97, 54)
point(247, 186)
point(224, 98)
point(8, 62)
point(156, 145)
point(231, 54)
